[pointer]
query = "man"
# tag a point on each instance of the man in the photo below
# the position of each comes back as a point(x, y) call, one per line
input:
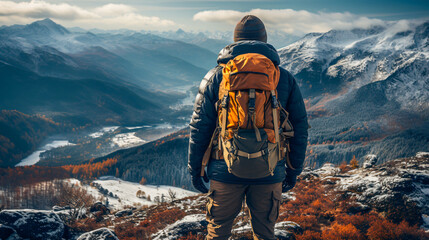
point(227, 191)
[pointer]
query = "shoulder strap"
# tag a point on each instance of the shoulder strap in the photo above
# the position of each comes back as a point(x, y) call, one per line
point(275, 106)
point(224, 105)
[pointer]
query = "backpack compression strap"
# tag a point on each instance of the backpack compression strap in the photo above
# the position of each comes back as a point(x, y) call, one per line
point(224, 106)
point(252, 114)
point(275, 106)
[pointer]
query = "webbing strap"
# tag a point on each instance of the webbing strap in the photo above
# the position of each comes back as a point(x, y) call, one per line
point(251, 155)
point(276, 119)
point(224, 113)
point(208, 152)
point(252, 115)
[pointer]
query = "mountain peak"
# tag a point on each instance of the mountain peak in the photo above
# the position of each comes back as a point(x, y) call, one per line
point(47, 26)
point(180, 31)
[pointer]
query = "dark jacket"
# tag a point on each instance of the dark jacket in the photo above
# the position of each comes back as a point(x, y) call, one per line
point(203, 120)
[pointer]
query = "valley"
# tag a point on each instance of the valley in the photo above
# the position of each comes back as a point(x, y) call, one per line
point(79, 146)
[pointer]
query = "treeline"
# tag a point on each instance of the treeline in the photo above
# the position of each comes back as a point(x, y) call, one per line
point(20, 134)
point(92, 170)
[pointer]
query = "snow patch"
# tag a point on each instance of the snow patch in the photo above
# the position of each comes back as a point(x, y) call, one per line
point(103, 131)
point(127, 140)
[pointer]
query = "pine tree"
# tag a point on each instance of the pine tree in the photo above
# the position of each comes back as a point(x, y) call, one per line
point(354, 163)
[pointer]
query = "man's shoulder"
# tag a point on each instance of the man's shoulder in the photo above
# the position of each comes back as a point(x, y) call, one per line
point(209, 78)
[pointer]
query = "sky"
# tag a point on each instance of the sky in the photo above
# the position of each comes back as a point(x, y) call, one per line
point(295, 17)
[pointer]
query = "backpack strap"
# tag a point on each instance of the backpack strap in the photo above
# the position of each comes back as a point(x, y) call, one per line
point(252, 115)
point(208, 152)
point(252, 155)
point(275, 106)
point(224, 106)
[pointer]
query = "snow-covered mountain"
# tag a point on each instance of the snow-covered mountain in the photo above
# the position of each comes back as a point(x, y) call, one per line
point(352, 58)
point(67, 63)
point(364, 88)
point(134, 57)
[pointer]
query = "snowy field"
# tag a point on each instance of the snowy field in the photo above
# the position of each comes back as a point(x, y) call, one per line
point(126, 192)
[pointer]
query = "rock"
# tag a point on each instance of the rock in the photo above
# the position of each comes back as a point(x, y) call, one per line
point(327, 170)
point(33, 224)
point(126, 212)
point(189, 224)
point(99, 234)
point(99, 207)
point(422, 154)
point(285, 230)
point(7, 232)
point(370, 161)
point(57, 208)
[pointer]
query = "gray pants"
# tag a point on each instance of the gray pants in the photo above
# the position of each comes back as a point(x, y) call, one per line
point(224, 204)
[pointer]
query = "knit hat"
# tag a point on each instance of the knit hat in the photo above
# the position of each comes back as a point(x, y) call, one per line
point(250, 28)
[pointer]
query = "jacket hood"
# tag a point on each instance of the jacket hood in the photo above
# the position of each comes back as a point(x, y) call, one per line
point(250, 46)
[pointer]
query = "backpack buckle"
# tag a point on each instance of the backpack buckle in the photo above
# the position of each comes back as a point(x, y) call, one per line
point(275, 103)
point(265, 151)
point(224, 101)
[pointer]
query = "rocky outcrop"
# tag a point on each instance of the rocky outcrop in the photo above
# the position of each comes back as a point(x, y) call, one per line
point(370, 161)
point(32, 224)
point(397, 186)
point(99, 234)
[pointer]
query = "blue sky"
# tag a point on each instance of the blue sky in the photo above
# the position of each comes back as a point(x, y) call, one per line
point(292, 16)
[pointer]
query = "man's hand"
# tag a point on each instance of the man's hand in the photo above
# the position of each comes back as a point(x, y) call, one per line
point(289, 181)
point(197, 181)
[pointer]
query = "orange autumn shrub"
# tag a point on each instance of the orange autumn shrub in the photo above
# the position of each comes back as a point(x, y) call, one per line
point(191, 236)
point(309, 235)
point(168, 216)
point(342, 232)
point(155, 221)
point(382, 229)
point(361, 221)
point(344, 167)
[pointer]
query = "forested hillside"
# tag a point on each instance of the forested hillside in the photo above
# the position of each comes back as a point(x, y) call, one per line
point(21, 134)
point(160, 162)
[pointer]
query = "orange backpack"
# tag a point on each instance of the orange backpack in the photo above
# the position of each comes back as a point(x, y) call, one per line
point(250, 137)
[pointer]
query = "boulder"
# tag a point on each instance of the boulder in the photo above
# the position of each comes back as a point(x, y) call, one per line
point(99, 234)
point(286, 230)
point(327, 170)
point(370, 161)
point(123, 213)
point(33, 224)
point(8, 233)
point(422, 155)
point(99, 207)
point(194, 224)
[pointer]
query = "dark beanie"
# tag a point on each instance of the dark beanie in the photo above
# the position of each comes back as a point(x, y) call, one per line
point(250, 28)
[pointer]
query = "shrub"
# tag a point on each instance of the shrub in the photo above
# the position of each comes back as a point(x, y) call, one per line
point(383, 229)
point(338, 231)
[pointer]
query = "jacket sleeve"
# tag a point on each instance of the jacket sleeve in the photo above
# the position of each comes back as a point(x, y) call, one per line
point(203, 120)
point(298, 118)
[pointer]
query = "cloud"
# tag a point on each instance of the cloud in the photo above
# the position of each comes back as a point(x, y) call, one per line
point(292, 21)
point(109, 16)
